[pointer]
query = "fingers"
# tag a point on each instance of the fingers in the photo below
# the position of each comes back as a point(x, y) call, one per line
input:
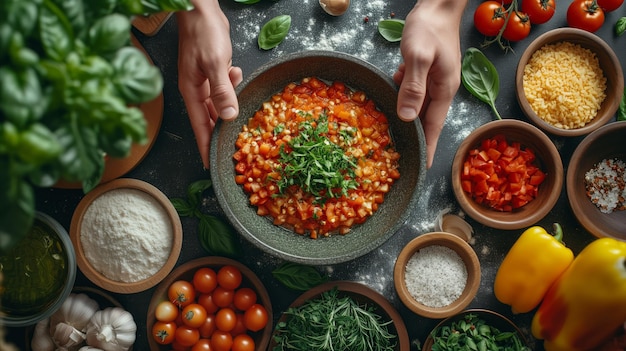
point(413, 80)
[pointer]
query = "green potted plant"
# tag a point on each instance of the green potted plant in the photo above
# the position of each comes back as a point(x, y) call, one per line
point(69, 84)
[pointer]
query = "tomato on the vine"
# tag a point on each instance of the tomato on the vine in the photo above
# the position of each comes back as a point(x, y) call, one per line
point(181, 293)
point(194, 315)
point(585, 14)
point(164, 332)
point(610, 5)
point(539, 11)
point(518, 26)
point(489, 18)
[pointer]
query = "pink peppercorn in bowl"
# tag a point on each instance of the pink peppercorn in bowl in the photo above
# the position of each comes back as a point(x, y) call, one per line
point(127, 236)
point(437, 274)
point(595, 181)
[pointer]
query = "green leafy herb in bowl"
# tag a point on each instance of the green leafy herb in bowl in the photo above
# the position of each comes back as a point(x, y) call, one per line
point(476, 330)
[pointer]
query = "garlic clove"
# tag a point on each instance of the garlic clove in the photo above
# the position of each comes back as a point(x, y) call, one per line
point(453, 224)
point(335, 7)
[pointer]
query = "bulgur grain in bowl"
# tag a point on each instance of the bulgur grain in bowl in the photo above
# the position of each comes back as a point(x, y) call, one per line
point(569, 82)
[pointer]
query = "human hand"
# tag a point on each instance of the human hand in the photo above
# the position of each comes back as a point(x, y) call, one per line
point(430, 75)
point(206, 77)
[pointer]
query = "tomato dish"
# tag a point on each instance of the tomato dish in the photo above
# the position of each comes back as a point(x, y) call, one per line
point(317, 158)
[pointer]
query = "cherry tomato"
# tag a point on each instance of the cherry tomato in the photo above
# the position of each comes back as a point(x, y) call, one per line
point(208, 327)
point(518, 27)
point(489, 18)
point(164, 332)
point(585, 14)
point(176, 346)
point(181, 293)
point(221, 341)
point(539, 11)
point(255, 317)
point(229, 277)
point(225, 319)
point(166, 311)
point(243, 342)
point(202, 345)
point(240, 327)
point(187, 336)
point(222, 297)
point(206, 300)
point(194, 315)
point(204, 280)
point(244, 298)
point(610, 5)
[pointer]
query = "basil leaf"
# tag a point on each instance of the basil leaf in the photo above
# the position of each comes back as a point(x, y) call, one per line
point(217, 238)
point(195, 190)
point(480, 77)
point(274, 32)
point(56, 32)
point(108, 34)
point(621, 112)
point(620, 26)
point(18, 213)
point(391, 29)
point(298, 277)
point(183, 208)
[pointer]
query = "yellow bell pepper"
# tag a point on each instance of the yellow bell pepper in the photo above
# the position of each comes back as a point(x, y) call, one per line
point(587, 303)
point(532, 264)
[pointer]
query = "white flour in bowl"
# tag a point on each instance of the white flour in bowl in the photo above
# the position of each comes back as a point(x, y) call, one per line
point(126, 235)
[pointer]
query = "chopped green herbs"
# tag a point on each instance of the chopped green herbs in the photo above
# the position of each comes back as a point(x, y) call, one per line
point(473, 333)
point(333, 322)
point(315, 164)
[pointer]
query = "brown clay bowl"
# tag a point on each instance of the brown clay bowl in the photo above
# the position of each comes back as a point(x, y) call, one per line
point(605, 143)
point(87, 267)
point(186, 271)
point(609, 63)
point(362, 294)
point(547, 157)
point(465, 252)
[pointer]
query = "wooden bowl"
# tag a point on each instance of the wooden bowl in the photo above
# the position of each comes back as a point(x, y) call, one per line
point(87, 267)
point(362, 294)
point(609, 63)
point(548, 159)
point(186, 271)
point(491, 318)
point(465, 252)
point(606, 142)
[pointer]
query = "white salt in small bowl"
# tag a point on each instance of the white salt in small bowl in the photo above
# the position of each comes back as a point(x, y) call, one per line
point(106, 242)
point(444, 292)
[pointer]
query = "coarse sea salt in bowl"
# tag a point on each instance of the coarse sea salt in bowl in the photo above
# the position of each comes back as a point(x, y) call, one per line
point(569, 82)
point(253, 221)
point(597, 170)
point(437, 274)
point(127, 235)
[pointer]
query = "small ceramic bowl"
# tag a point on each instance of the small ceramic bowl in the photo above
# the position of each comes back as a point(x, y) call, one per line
point(49, 240)
point(436, 240)
point(408, 139)
point(609, 63)
point(547, 159)
point(105, 218)
point(606, 143)
point(363, 295)
point(490, 318)
point(186, 272)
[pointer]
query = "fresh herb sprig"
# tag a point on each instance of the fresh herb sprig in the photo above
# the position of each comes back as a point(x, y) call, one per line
point(473, 333)
point(333, 322)
point(316, 164)
point(216, 236)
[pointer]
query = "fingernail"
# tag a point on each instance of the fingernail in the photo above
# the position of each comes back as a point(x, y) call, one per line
point(407, 114)
point(228, 113)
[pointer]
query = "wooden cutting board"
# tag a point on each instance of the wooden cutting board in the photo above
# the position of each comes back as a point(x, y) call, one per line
point(150, 25)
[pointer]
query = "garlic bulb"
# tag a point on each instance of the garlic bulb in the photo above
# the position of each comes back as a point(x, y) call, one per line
point(68, 323)
point(453, 224)
point(112, 329)
point(335, 7)
point(41, 340)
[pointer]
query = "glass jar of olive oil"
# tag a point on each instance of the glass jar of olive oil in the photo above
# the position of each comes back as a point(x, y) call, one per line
point(37, 274)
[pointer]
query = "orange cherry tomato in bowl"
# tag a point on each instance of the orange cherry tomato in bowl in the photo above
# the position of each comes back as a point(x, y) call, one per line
point(205, 280)
point(585, 14)
point(187, 336)
point(181, 293)
point(244, 298)
point(243, 342)
point(489, 18)
point(539, 11)
point(229, 277)
point(221, 341)
point(255, 318)
point(226, 319)
point(166, 311)
point(202, 345)
point(194, 315)
point(164, 332)
point(518, 26)
point(222, 297)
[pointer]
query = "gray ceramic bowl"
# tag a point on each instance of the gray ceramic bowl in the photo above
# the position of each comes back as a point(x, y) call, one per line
point(391, 215)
